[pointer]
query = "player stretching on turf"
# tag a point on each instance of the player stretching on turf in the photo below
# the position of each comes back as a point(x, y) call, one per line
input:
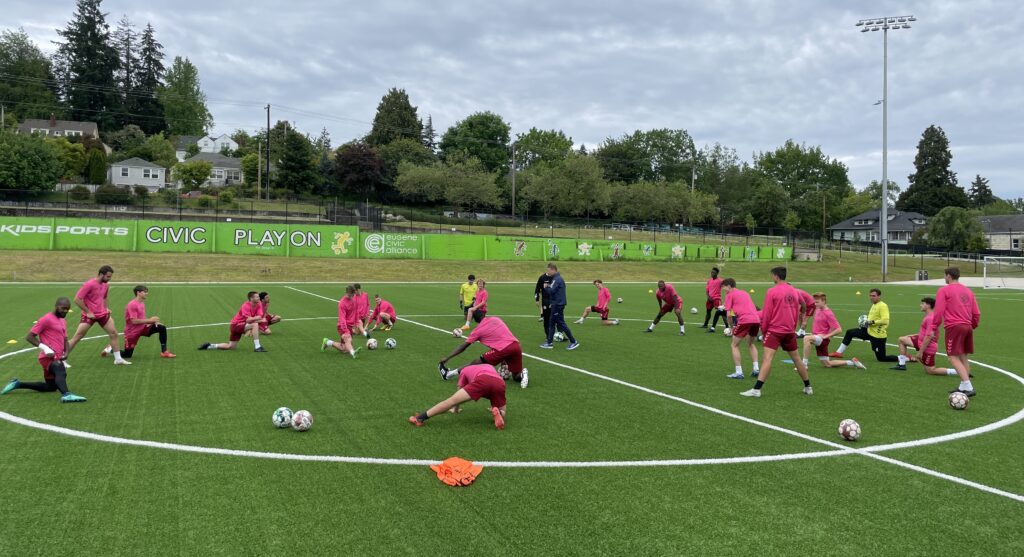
point(92, 299)
point(248, 318)
point(603, 297)
point(713, 289)
point(476, 381)
point(50, 334)
point(479, 302)
point(383, 312)
point(667, 301)
point(347, 319)
point(808, 302)
point(137, 325)
point(876, 330)
point(782, 308)
point(746, 325)
point(362, 311)
point(955, 304)
point(824, 328)
point(504, 347)
point(926, 342)
point(270, 317)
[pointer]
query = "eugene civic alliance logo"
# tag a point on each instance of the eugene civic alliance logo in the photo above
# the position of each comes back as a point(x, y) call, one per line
point(392, 244)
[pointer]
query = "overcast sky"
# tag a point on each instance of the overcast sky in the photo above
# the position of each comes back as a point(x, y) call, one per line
point(746, 73)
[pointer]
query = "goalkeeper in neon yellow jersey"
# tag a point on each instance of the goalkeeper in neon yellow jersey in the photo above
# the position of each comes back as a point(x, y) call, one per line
point(874, 328)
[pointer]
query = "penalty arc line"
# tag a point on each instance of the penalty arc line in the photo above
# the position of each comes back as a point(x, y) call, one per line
point(842, 449)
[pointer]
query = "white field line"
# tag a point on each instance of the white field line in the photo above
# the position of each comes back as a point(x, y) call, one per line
point(794, 433)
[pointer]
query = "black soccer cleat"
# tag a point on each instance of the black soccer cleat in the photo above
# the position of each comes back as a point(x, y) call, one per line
point(443, 371)
point(899, 368)
point(260, 349)
point(968, 393)
point(204, 346)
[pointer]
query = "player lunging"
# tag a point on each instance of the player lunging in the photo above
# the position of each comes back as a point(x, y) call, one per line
point(824, 328)
point(667, 301)
point(50, 335)
point(92, 300)
point(248, 318)
point(875, 330)
point(601, 307)
point(713, 290)
point(475, 382)
point(137, 325)
point(746, 326)
point(926, 342)
point(782, 309)
point(347, 319)
point(504, 347)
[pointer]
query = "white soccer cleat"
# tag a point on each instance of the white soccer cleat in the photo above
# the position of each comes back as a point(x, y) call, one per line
point(808, 391)
point(578, 321)
point(858, 364)
point(755, 393)
point(122, 363)
point(615, 321)
point(737, 375)
point(526, 379)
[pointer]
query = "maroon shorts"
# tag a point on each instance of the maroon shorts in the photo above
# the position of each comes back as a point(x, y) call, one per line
point(712, 303)
point(131, 340)
point(344, 330)
point(959, 340)
point(786, 341)
point(671, 306)
point(100, 319)
point(822, 349)
point(928, 356)
point(744, 330)
point(487, 386)
point(603, 311)
point(512, 355)
point(45, 361)
point(237, 332)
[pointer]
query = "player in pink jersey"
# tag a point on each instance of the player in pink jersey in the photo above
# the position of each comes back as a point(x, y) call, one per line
point(479, 302)
point(810, 306)
point(348, 317)
point(926, 342)
point(271, 318)
point(668, 300)
point(383, 313)
point(362, 325)
point(503, 347)
point(824, 328)
point(782, 309)
point(475, 382)
point(248, 318)
point(50, 335)
point(713, 290)
point(92, 299)
point(746, 323)
point(601, 307)
point(956, 307)
point(137, 325)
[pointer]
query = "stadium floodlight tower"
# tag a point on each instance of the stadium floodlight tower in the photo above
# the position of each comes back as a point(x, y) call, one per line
point(885, 24)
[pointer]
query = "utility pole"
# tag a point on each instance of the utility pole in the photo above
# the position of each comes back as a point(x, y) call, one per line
point(259, 168)
point(513, 180)
point(267, 170)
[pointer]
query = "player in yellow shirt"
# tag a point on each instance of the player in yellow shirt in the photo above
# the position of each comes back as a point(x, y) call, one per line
point(874, 330)
point(467, 292)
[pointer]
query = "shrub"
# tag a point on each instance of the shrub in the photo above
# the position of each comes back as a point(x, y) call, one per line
point(113, 195)
point(142, 192)
point(80, 193)
point(226, 197)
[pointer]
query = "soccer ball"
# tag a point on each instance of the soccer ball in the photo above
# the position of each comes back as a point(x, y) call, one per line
point(862, 321)
point(503, 371)
point(693, 310)
point(559, 337)
point(620, 300)
point(849, 430)
point(282, 417)
point(457, 332)
point(390, 344)
point(958, 400)
point(302, 421)
point(727, 332)
point(371, 344)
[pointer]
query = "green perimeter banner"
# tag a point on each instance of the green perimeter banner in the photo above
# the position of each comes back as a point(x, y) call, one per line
point(304, 240)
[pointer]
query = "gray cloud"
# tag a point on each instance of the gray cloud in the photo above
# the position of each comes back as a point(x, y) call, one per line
point(748, 74)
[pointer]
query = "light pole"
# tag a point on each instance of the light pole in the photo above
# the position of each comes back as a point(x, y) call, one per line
point(885, 24)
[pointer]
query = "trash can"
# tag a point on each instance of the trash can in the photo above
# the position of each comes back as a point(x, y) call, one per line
point(922, 275)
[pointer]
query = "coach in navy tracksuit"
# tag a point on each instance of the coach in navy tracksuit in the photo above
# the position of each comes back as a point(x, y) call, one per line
point(555, 289)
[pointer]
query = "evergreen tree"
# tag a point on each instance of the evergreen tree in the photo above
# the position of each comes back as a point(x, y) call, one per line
point(125, 42)
point(933, 184)
point(96, 167)
point(395, 119)
point(28, 82)
point(429, 135)
point(88, 62)
point(981, 194)
point(296, 172)
point(183, 100)
point(148, 80)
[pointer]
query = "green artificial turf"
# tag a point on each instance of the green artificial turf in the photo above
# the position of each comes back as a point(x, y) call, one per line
point(65, 495)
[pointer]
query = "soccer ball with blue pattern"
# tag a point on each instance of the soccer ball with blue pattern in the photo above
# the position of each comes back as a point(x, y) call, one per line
point(390, 344)
point(863, 321)
point(282, 417)
point(559, 337)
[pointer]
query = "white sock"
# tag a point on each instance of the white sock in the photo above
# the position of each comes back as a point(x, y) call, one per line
point(903, 359)
point(256, 341)
point(108, 350)
point(117, 356)
point(682, 328)
point(329, 343)
point(849, 363)
point(467, 323)
point(757, 367)
point(352, 352)
point(951, 372)
point(739, 369)
point(841, 349)
point(966, 385)
point(651, 328)
point(805, 362)
point(214, 346)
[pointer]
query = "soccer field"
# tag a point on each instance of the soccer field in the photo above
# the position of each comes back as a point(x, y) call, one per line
point(633, 444)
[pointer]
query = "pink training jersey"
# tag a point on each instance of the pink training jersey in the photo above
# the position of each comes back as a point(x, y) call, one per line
point(362, 304)
point(245, 312)
point(603, 297)
point(738, 301)
point(383, 307)
point(134, 310)
point(481, 301)
point(714, 288)
point(471, 372)
point(492, 333)
point(824, 322)
point(781, 309)
point(93, 294)
point(668, 295)
point(348, 311)
point(808, 301)
point(955, 303)
point(928, 327)
point(52, 332)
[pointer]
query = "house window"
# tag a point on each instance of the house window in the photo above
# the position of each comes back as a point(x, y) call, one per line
point(234, 174)
point(863, 222)
point(150, 173)
point(842, 235)
point(40, 131)
point(218, 173)
point(1015, 244)
point(124, 171)
point(225, 145)
point(56, 132)
point(73, 133)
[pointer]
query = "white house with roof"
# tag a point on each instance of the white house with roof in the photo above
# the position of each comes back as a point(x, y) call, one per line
point(59, 128)
point(206, 144)
point(865, 227)
point(226, 171)
point(137, 172)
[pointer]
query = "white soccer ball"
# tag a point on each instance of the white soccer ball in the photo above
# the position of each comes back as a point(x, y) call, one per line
point(958, 400)
point(503, 371)
point(862, 321)
point(619, 300)
point(390, 344)
point(559, 337)
point(457, 332)
point(727, 332)
point(371, 344)
point(693, 310)
point(849, 430)
point(302, 421)
point(282, 417)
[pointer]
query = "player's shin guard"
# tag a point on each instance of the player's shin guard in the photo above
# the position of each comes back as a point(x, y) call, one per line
point(60, 377)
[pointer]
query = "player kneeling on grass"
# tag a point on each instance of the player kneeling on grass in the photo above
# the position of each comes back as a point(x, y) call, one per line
point(270, 317)
point(926, 342)
point(51, 336)
point(248, 318)
point(475, 382)
point(746, 326)
point(383, 314)
point(504, 347)
point(782, 309)
point(137, 325)
point(601, 307)
point(824, 328)
point(348, 310)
